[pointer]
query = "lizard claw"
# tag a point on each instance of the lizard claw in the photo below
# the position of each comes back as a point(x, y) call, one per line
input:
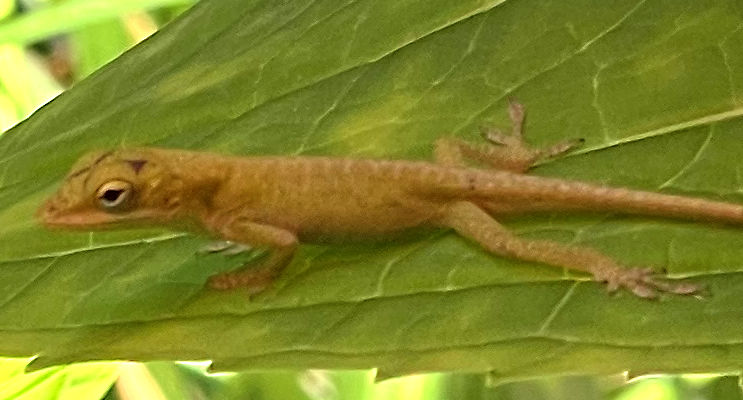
point(643, 282)
point(224, 247)
point(496, 137)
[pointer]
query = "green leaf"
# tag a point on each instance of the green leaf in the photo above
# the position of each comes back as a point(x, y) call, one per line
point(654, 87)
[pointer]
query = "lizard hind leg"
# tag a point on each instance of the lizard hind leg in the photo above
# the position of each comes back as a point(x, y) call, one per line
point(471, 222)
point(501, 151)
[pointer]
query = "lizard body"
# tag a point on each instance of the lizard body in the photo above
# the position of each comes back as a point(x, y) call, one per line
point(278, 202)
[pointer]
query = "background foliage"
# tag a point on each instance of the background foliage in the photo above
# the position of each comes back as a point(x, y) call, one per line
point(653, 87)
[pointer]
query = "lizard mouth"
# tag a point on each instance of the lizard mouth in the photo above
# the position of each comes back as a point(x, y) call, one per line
point(53, 216)
point(82, 220)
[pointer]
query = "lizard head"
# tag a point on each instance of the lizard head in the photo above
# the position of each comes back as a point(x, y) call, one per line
point(115, 187)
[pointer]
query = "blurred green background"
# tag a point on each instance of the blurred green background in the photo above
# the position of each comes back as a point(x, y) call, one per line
point(46, 46)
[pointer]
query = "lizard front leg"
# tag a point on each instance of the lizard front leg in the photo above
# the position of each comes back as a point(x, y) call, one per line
point(256, 278)
point(508, 152)
point(472, 222)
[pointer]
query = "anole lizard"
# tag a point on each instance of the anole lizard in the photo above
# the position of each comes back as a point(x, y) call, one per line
point(277, 202)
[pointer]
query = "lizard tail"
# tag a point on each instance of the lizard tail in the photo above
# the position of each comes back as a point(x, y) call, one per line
point(508, 193)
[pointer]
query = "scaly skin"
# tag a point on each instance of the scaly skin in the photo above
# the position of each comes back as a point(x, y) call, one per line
point(279, 201)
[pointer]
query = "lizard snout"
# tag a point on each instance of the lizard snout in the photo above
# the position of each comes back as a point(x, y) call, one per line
point(49, 211)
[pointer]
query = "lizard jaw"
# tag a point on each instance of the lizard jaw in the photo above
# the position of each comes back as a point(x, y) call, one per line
point(54, 217)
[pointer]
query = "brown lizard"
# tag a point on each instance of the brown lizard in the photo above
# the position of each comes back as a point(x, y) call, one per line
point(277, 202)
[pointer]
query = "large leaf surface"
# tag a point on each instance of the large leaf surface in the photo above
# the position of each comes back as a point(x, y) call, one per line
point(655, 87)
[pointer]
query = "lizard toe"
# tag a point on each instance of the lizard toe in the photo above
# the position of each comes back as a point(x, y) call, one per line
point(644, 283)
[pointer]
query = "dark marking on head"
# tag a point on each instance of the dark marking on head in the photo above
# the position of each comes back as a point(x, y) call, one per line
point(97, 160)
point(101, 158)
point(136, 165)
point(78, 173)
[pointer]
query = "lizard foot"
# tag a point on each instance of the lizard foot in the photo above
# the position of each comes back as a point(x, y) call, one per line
point(501, 151)
point(512, 150)
point(643, 282)
point(255, 280)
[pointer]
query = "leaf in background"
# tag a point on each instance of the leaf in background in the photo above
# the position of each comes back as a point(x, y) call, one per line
point(7, 7)
point(654, 87)
point(71, 15)
point(97, 44)
point(73, 382)
point(23, 83)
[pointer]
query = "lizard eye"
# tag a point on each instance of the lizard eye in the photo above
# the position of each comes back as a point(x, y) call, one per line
point(113, 194)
